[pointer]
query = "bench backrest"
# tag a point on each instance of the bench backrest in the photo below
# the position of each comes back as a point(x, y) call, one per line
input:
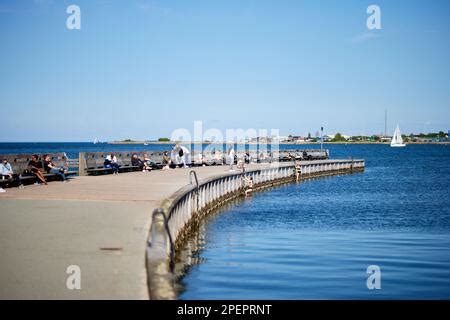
point(59, 159)
point(95, 160)
point(18, 162)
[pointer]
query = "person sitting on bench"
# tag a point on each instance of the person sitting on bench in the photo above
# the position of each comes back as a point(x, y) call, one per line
point(111, 163)
point(167, 161)
point(218, 157)
point(148, 162)
point(34, 167)
point(7, 173)
point(6, 170)
point(50, 167)
point(136, 162)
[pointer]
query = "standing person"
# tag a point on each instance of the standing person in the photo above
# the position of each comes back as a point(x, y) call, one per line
point(185, 156)
point(50, 167)
point(231, 154)
point(34, 167)
point(181, 160)
point(247, 157)
point(111, 162)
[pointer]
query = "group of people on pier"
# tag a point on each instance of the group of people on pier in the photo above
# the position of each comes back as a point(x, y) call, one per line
point(35, 167)
point(144, 164)
point(178, 157)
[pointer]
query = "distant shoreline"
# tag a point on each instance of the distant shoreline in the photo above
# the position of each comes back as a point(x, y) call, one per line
point(256, 143)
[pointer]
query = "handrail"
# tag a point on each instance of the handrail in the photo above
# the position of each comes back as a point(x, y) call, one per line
point(160, 211)
point(194, 174)
point(172, 202)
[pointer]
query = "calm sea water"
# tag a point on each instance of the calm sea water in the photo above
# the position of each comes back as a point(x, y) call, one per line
point(315, 239)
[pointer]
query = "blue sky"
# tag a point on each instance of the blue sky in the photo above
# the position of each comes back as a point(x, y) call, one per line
point(142, 68)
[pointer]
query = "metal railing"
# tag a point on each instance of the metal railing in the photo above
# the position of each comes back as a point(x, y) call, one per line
point(187, 206)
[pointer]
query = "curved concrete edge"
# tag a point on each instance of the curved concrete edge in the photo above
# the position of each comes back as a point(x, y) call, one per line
point(161, 245)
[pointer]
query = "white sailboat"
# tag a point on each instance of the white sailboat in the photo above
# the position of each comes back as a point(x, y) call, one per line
point(397, 140)
point(95, 141)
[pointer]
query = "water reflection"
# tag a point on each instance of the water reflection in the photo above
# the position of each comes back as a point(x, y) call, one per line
point(190, 253)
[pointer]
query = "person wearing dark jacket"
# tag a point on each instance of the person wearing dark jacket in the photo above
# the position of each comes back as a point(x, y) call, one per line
point(34, 167)
point(50, 167)
point(136, 162)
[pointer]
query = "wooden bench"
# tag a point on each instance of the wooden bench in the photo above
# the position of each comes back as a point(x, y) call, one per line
point(19, 165)
point(93, 163)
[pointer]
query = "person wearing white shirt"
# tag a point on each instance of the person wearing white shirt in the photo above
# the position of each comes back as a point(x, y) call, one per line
point(111, 162)
point(231, 154)
point(6, 170)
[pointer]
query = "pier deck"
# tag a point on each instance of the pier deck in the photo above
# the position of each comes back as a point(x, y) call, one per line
point(44, 229)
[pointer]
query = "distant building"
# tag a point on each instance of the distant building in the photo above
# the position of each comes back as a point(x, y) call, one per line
point(280, 138)
point(329, 137)
point(297, 139)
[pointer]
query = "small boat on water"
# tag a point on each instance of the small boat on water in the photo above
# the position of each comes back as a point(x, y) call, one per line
point(397, 140)
point(95, 141)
